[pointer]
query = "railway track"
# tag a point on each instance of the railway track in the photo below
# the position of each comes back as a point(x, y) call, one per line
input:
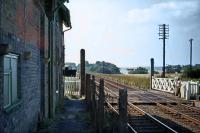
point(183, 114)
point(139, 121)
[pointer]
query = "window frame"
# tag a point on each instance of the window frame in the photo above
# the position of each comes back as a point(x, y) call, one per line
point(8, 72)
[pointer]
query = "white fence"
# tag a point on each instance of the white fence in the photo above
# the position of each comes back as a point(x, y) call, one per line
point(188, 89)
point(72, 86)
point(164, 84)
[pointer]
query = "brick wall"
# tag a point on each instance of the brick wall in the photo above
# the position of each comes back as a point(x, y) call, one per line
point(25, 27)
point(26, 113)
point(21, 30)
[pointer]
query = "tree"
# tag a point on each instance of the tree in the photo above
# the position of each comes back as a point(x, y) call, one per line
point(173, 69)
point(139, 70)
point(104, 67)
point(191, 73)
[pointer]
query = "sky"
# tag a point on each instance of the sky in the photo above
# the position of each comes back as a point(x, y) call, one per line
point(125, 32)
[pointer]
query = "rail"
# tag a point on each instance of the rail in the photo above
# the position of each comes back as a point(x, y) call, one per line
point(187, 116)
point(167, 128)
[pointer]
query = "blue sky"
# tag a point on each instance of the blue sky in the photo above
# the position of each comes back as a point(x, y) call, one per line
point(125, 32)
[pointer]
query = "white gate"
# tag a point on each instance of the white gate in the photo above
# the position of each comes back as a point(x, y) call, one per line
point(72, 86)
point(188, 89)
point(164, 84)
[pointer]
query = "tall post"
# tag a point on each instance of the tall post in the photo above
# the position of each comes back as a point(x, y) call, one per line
point(164, 50)
point(93, 90)
point(151, 72)
point(87, 90)
point(82, 72)
point(101, 106)
point(191, 52)
point(164, 34)
point(123, 116)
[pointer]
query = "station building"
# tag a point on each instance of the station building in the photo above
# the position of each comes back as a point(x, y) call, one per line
point(31, 61)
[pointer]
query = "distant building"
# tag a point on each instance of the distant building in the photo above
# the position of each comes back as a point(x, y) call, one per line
point(31, 62)
point(71, 66)
point(69, 72)
point(70, 69)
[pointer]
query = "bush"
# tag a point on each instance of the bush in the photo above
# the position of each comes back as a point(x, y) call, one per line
point(173, 69)
point(139, 70)
point(191, 73)
point(156, 72)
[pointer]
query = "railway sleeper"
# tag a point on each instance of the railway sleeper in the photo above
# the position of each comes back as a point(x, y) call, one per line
point(142, 122)
point(137, 118)
point(142, 130)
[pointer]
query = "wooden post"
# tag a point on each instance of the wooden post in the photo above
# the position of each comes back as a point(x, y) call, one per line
point(151, 72)
point(87, 90)
point(90, 95)
point(123, 117)
point(82, 72)
point(93, 90)
point(101, 106)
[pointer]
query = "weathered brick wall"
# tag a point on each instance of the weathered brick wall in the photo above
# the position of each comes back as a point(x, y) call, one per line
point(29, 80)
point(25, 115)
point(21, 29)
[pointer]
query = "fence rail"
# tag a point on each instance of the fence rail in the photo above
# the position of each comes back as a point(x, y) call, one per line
point(72, 86)
point(164, 84)
point(98, 98)
point(188, 89)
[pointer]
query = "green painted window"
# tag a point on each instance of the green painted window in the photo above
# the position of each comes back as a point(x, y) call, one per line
point(10, 80)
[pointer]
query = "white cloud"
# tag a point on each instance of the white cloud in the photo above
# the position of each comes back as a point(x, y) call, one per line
point(167, 5)
point(165, 10)
point(139, 15)
point(101, 28)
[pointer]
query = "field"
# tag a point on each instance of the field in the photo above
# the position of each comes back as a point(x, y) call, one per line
point(141, 81)
point(134, 80)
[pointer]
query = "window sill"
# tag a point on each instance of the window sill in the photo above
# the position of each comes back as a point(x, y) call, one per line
point(12, 107)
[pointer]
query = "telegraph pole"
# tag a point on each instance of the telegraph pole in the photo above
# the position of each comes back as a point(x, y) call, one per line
point(163, 34)
point(191, 52)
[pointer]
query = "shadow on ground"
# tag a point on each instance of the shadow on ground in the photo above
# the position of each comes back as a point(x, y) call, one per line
point(73, 118)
